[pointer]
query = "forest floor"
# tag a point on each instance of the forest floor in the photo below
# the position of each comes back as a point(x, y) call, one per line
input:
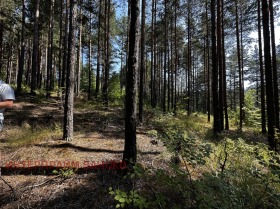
point(31, 144)
point(40, 170)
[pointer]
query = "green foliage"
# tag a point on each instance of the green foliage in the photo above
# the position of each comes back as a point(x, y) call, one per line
point(65, 172)
point(131, 198)
point(252, 115)
point(226, 174)
point(115, 93)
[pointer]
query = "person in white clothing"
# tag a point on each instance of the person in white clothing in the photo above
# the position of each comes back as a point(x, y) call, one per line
point(7, 97)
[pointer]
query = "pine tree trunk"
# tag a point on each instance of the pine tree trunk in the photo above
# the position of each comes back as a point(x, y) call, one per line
point(129, 155)
point(263, 114)
point(274, 64)
point(142, 62)
point(89, 61)
point(220, 62)
point(239, 67)
point(65, 45)
point(107, 55)
point(165, 58)
point(60, 45)
point(224, 71)
point(174, 87)
point(79, 51)
point(215, 97)
point(35, 52)
point(97, 89)
point(189, 60)
point(152, 55)
point(22, 51)
point(50, 52)
point(70, 78)
point(268, 76)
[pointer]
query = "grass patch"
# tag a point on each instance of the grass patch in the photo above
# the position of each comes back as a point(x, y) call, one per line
point(24, 136)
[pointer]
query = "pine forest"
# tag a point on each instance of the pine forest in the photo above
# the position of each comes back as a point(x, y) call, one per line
point(140, 104)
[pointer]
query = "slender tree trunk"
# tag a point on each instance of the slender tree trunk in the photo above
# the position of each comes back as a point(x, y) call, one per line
point(268, 76)
point(274, 64)
point(224, 71)
point(68, 130)
point(35, 52)
point(129, 155)
point(142, 61)
point(155, 67)
point(174, 87)
point(263, 114)
point(65, 49)
point(50, 52)
point(189, 59)
point(89, 61)
point(208, 65)
point(60, 45)
point(215, 97)
point(97, 88)
point(165, 57)
point(107, 57)
point(79, 51)
point(152, 55)
point(22, 51)
point(220, 62)
point(239, 67)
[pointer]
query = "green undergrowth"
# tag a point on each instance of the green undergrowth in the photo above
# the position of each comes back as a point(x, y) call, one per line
point(207, 173)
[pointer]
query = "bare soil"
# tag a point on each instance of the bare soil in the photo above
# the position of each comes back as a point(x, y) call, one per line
point(27, 170)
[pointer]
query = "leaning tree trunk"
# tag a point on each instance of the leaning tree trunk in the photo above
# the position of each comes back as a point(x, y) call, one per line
point(70, 78)
point(129, 155)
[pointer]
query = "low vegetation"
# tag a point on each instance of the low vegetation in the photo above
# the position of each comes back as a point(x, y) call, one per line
point(205, 172)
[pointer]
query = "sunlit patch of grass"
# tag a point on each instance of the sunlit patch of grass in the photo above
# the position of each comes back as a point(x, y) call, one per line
point(25, 135)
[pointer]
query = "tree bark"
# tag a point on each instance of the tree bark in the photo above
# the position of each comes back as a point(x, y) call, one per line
point(274, 64)
point(22, 51)
point(215, 97)
point(68, 130)
point(97, 88)
point(268, 76)
point(50, 52)
point(35, 52)
point(129, 155)
point(142, 62)
point(263, 114)
point(65, 45)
